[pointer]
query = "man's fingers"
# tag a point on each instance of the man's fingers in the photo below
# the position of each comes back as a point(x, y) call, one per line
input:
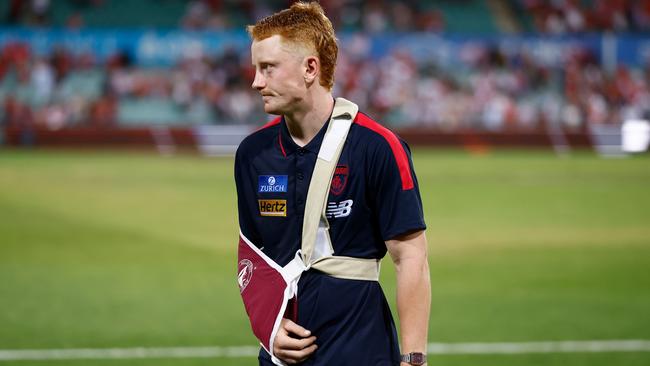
point(289, 343)
point(293, 343)
point(296, 329)
point(292, 357)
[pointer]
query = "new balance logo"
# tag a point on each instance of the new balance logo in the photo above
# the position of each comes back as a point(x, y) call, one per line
point(341, 209)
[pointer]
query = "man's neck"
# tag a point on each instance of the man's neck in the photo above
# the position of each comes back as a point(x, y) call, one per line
point(304, 124)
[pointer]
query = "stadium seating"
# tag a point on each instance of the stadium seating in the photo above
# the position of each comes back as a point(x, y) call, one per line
point(119, 14)
point(467, 16)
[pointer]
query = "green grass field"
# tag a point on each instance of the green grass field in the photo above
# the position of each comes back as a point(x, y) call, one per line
point(115, 249)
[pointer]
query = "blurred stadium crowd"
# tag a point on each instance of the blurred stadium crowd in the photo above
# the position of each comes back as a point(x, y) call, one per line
point(547, 16)
point(566, 16)
point(491, 89)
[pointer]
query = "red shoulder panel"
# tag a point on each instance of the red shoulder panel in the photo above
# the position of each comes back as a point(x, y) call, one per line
point(273, 122)
point(398, 150)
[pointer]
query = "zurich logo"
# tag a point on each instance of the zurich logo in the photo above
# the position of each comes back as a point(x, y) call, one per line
point(272, 183)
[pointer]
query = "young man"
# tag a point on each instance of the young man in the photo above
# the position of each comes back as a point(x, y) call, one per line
point(373, 205)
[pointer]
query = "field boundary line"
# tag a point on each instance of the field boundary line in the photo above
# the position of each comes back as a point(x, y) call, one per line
point(252, 351)
point(129, 353)
point(631, 345)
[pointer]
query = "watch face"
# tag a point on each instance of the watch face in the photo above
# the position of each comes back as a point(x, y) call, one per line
point(417, 358)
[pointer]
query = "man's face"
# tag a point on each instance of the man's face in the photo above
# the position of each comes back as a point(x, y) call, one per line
point(279, 74)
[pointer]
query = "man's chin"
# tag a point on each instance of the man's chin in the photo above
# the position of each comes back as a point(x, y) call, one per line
point(272, 110)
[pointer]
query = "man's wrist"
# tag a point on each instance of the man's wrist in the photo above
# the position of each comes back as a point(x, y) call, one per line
point(414, 358)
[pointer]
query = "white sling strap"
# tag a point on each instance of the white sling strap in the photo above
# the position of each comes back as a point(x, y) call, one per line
point(316, 250)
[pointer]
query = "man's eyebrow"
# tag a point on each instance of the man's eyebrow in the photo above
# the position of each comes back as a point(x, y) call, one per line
point(264, 63)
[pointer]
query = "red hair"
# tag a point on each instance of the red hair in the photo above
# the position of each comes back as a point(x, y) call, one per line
point(304, 24)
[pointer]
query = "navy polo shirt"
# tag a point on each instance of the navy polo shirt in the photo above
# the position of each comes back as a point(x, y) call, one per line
point(373, 197)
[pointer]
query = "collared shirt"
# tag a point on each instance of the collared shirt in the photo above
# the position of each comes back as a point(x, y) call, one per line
point(373, 197)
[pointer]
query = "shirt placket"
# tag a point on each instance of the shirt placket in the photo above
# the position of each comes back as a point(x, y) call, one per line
point(302, 184)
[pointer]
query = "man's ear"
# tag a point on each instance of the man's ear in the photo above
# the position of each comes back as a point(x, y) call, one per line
point(312, 69)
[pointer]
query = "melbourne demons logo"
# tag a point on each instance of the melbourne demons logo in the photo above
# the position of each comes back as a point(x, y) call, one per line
point(339, 180)
point(245, 273)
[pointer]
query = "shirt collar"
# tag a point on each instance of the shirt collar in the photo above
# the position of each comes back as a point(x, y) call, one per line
point(289, 146)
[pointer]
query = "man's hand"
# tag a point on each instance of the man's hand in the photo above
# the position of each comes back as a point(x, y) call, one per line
point(293, 343)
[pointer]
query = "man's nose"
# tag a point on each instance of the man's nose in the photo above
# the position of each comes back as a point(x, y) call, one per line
point(258, 83)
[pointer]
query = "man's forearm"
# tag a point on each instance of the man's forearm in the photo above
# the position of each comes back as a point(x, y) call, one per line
point(409, 253)
point(413, 303)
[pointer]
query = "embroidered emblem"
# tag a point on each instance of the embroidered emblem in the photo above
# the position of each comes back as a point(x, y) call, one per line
point(245, 273)
point(339, 180)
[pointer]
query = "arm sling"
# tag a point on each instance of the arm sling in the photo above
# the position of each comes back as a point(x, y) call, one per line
point(265, 286)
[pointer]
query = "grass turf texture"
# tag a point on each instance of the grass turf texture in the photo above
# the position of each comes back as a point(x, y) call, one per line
point(103, 249)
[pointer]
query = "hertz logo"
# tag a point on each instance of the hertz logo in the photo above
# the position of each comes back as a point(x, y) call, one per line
point(273, 207)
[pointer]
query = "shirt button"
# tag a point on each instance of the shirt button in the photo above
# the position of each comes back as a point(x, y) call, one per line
point(301, 151)
point(300, 176)
point(300, 201)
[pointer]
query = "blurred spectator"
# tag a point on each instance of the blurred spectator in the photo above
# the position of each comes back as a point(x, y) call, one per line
point(42, 79)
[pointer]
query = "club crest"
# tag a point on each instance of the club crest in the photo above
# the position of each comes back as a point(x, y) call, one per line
point(340, 179)
point(244, 274)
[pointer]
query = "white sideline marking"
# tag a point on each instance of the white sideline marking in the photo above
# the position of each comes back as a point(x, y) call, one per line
point(252, 351)
point(540, 347)
point(129, 353)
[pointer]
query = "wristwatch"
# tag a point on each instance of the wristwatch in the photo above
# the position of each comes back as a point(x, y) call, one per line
point(414, 358)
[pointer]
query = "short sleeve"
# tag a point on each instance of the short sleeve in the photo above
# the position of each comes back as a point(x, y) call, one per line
point(245, 197)
point(395, 196)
